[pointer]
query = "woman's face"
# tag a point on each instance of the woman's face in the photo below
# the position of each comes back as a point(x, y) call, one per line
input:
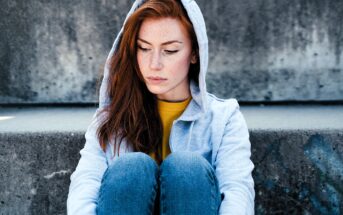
point(164, 54)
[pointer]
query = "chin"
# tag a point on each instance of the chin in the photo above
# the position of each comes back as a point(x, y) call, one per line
point(156, 90)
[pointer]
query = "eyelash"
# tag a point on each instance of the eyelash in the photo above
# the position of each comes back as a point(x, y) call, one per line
point(169, 52)
point(143, 49)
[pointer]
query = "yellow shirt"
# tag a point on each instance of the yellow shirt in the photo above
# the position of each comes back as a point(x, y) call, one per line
point(169, 111)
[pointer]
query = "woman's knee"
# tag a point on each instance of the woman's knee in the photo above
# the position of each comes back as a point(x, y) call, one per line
point(185, 163)
point(133, 166)
point(130, 175)
point(138, 160)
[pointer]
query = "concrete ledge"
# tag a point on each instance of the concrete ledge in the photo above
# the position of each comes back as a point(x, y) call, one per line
point(71, 119)
point(45, 119)
point(298, 170)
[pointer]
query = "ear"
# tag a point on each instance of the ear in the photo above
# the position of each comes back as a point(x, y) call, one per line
point(194, 58)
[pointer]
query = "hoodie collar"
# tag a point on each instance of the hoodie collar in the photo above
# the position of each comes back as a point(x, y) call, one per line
point(194, 109)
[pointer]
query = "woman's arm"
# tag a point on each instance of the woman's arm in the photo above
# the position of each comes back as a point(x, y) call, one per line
point(234, 167)
point(86, 179)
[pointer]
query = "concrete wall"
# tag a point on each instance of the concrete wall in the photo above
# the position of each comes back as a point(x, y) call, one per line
point(296, 172)
point(54, 51)
point(260, 50)
point(276, 50)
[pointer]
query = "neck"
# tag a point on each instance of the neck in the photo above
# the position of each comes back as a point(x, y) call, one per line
point(175, 97)
point(179, 100)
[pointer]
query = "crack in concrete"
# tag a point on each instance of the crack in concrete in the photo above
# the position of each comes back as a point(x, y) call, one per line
point(61, 172)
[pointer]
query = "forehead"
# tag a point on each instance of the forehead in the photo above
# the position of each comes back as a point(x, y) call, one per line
point(163, 29)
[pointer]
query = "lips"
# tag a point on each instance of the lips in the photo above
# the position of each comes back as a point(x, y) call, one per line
point(155, 79)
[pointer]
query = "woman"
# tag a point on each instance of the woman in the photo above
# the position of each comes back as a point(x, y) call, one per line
point(159, 143)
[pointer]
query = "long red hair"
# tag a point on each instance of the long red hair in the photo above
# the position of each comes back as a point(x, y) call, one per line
point(132, 113)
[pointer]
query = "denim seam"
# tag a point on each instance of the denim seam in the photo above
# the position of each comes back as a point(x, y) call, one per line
point(162, 195)
point(102, 185)
point(213, 190)
point(152, 198)
point(214, 186)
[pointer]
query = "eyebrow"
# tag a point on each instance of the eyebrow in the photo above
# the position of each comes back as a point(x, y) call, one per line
point(165, 43)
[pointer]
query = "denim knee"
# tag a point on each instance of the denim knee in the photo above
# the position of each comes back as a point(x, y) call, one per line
point(131, 167)
point(129, 185)
point(187, 177)
point(185, 160)
point(179, 165)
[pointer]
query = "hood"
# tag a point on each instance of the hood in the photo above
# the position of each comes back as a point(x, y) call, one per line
point(198, 92)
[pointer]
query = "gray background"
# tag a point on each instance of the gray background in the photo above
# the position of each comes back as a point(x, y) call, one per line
point(260, 50)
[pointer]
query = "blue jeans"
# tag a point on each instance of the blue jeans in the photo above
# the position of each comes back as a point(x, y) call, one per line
point(185, 183)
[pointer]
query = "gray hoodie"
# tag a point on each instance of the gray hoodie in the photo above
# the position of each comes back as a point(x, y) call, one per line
point(211, 127)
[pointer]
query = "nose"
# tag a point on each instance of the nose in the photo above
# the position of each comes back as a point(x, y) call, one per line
point(155, 61)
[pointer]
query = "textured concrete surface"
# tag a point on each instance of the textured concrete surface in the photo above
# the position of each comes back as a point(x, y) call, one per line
point(260, 50)
point(35, 171)
point(297, 154)
point(265, 50)
point(298, 172)
point(54, 51)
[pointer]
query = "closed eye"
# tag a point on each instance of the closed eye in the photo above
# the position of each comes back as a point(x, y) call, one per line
point(143, 49)
point(170, 51)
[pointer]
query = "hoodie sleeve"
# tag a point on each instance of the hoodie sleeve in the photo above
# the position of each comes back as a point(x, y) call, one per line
point(234, 167)
point(86, 179)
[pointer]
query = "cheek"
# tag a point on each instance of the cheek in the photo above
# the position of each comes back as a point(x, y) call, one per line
point(141, 62)
point(182, 65)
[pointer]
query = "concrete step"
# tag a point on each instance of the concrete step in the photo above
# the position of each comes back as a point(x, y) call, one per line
point(297, 152)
